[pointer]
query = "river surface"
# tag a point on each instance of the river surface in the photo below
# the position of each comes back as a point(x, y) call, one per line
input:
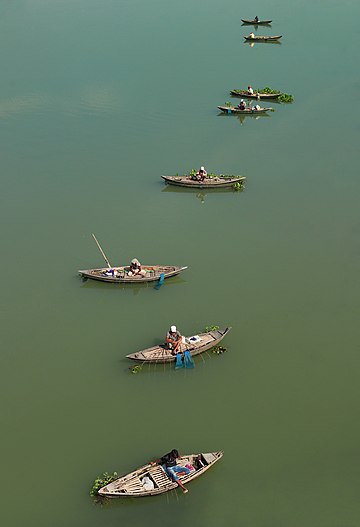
point(97, 100)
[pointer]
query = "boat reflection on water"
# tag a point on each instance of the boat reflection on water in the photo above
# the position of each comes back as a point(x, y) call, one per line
point(256, 26)
point(87, 283)
point(252, 44)
point(199, 193)
point(241, 116)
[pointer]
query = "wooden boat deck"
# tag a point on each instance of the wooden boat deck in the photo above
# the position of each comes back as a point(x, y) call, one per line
point(153, 273)
point(247, 111)
point(258, 38)
point(208, 183)
point(131, 485)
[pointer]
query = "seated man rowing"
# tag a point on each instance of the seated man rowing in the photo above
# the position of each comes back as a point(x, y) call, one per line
point(135, 268)
point(201, 174)
point(174, 340)
point(242, 105)
point(168, 463)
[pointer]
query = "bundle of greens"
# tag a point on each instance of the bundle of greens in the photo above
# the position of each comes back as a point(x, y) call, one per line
point(101, 481)
point(284, 97)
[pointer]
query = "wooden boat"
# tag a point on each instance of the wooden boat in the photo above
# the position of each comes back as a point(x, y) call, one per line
point(213, 182)
point(247, 111)
point(262, 39)
point(132, 484)
point(153, 273)
point(257, 95)
point(256, 23)
point(196, 345)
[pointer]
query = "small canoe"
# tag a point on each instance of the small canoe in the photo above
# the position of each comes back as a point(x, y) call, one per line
point(213, 182)
point(136, 484)
point(247, 111)
point(262, 39)
point(153, 273)
point(196, 345)
point(256, 23)
point(258, 95)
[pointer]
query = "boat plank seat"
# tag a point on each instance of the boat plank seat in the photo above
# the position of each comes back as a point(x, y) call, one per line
point(159, 477)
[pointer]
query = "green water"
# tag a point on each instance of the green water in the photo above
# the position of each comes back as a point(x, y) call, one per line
point(97, 100)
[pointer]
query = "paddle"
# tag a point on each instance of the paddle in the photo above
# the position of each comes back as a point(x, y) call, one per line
point(160, 282)
point(188, 360)
point(102, 252)
point(178, 363)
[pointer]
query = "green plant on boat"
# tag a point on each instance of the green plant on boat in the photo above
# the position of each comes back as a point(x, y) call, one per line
point(101, 481)
point(136, 369)
point(219, 350)
point(228, 104)
point(211, 175)
point(284, 97)
point(207, 329)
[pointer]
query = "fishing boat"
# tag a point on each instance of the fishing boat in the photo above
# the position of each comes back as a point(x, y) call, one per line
point(212, 182)
point(247, 111)
point(151, 479)
point(257, 38)
point(257, 95)
point(256, 23)
point(119, 275)
point(196, 344)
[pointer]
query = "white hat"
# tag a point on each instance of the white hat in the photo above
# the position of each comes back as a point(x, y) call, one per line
point(135, 261)
point(241, 100)
point(202, 168)
point(173, 329)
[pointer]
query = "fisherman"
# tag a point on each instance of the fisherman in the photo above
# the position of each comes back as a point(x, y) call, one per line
point(201, 174)
point(252, 35)
point(256, 19)
point(242, 105)
point(135, 268)
point(250, 89)
point(174, 340)
point(168, 463)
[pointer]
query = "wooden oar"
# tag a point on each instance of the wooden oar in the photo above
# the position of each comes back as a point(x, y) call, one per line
point(102, 252)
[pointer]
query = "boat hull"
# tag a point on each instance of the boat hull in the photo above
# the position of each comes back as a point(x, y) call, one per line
point(153, 274)
point(254, 23)
point(160, 354)
point(262, 39)
point(186, 181)
point(244, 94)
point(131, 485)
point(248, 111)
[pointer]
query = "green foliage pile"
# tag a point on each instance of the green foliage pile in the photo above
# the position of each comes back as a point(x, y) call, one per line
point(136, 369)
point(238, 186)
point(284, 97)
point(101, 481)
point(212, 175)
point(219, 350)
point(207, 329)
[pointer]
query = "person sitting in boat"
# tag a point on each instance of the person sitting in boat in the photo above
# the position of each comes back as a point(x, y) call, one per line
point(174, 340)
point(135, 268)
point(168, 463)
point(257, 107)
point(252, 35)
point(250, 90)
point(242, 105)
point(256, 19)
point(201, 174)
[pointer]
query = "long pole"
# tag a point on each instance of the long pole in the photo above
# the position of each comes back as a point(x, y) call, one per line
point(102, 252)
